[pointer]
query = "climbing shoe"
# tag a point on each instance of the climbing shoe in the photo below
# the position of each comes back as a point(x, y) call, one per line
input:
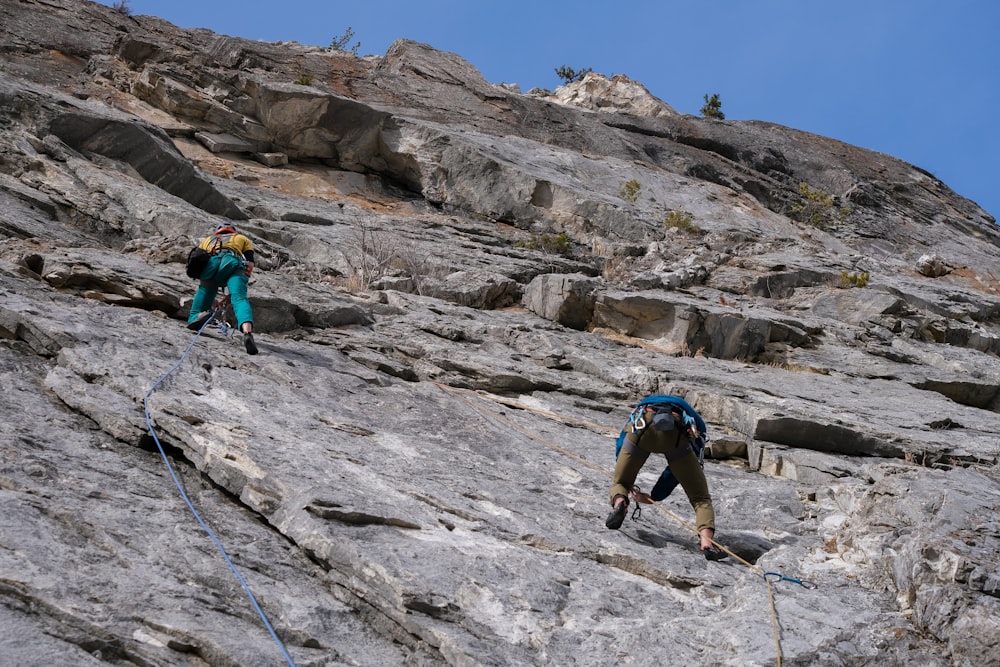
point(617, 515)
point(249, 344)
point(200, 322)
point(714, 553)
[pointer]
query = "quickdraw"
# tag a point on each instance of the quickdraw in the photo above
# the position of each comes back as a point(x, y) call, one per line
point(777, 576)
point(640, 499)
point(221, 306)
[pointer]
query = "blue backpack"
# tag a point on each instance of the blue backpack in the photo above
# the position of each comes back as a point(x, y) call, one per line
point(666, 404)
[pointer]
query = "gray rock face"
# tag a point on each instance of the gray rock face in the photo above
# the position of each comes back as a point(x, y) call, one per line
point(563, 298)
point(460, 293)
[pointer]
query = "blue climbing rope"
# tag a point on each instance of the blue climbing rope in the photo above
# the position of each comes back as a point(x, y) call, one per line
point(187, 501)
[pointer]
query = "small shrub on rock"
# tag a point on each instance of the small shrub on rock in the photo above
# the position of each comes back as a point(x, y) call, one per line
point(558, 244)
point(630, 191)
point(569, 75)
point(341, 43)
point(817, 208)
point(681, 221)
point(713, 107)
point(851, 279)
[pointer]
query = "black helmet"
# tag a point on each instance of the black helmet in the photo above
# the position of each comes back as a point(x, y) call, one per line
point(225, 228)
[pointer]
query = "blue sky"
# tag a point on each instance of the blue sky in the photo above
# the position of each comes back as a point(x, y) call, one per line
point(917, 79)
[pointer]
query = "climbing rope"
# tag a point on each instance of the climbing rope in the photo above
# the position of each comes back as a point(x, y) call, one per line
point(187, 500)
point(769, 577)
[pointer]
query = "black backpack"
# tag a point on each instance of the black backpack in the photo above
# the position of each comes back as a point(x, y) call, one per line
point(198, 258)
point(196, 262)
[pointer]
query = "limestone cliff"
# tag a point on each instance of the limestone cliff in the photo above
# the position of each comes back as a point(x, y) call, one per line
point(460, 292)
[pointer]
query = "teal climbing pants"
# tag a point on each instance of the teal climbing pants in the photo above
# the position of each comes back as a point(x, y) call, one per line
point(223, 270)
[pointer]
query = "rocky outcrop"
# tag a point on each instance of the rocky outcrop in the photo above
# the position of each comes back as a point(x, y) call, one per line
point(460, 292)
point(619, 94)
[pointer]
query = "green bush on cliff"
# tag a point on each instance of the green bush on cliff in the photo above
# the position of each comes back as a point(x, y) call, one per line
point(681, 221)
point(851, 279)
point(630, 191)
point(558, 244)
point(569, 75)
point(713, 107)
point(341, 43)
point(817, 208)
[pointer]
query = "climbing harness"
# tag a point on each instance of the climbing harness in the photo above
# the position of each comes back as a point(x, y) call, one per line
point(768, 576)
point(777, 576)
point(187, 500)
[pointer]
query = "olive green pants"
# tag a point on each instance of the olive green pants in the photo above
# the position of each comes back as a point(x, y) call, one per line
point(676, 446)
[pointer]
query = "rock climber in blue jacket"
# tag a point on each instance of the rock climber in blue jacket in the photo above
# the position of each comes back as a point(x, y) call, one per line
point(668, 425)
